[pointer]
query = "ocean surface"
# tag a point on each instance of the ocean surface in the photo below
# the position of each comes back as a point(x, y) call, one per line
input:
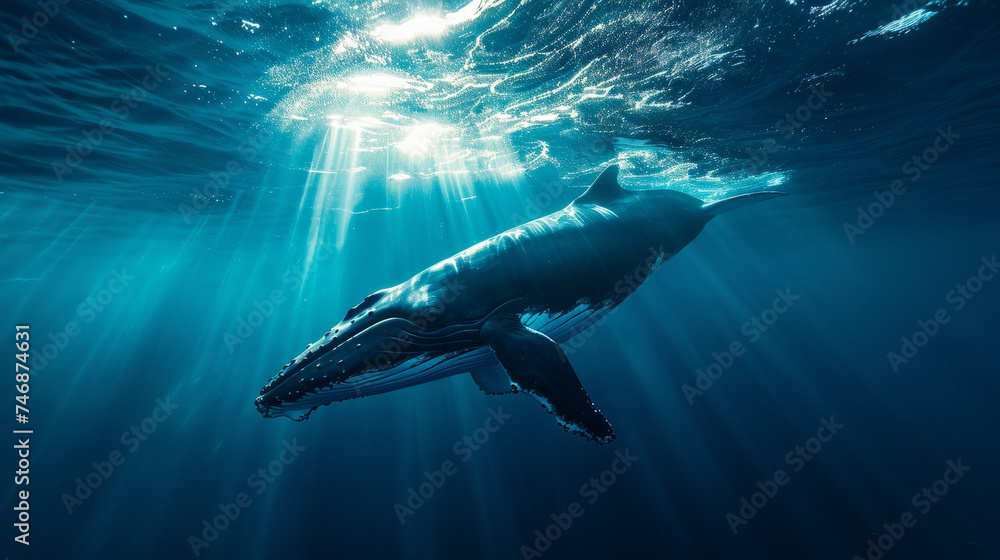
point(193, 191)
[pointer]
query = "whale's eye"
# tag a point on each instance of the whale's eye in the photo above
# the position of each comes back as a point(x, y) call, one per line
point(430, 312)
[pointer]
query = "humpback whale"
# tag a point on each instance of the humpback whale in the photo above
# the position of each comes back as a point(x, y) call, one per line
point(500, 309)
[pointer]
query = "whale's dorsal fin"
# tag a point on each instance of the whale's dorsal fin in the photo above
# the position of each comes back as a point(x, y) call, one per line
point(605, 188)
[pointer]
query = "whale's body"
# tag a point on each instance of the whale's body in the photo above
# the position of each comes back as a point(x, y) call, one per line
point(499, 309)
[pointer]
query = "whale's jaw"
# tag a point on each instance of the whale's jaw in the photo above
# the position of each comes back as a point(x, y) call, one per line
point(388, 355)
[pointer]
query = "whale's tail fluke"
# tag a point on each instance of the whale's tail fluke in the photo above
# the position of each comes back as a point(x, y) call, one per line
point(739, 201)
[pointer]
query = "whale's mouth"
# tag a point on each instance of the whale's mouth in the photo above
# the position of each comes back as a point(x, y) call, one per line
point(382, 357)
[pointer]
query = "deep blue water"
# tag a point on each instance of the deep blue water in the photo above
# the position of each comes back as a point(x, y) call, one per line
point(275, 163)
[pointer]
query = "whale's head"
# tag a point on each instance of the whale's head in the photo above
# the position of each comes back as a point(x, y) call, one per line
point(380, 345)
point(330, 368)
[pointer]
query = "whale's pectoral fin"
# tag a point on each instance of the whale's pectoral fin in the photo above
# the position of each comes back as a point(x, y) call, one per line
point(537, 365)
point(493, 380)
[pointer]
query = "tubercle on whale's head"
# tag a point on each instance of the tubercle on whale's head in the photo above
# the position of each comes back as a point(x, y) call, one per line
point(269, 410)
point(365, 355)
point(322, 372)
point(339, 365)
point(310, 372)
point(333, 359)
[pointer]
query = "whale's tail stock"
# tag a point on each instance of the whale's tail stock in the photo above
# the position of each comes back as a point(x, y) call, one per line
point(739, 201)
